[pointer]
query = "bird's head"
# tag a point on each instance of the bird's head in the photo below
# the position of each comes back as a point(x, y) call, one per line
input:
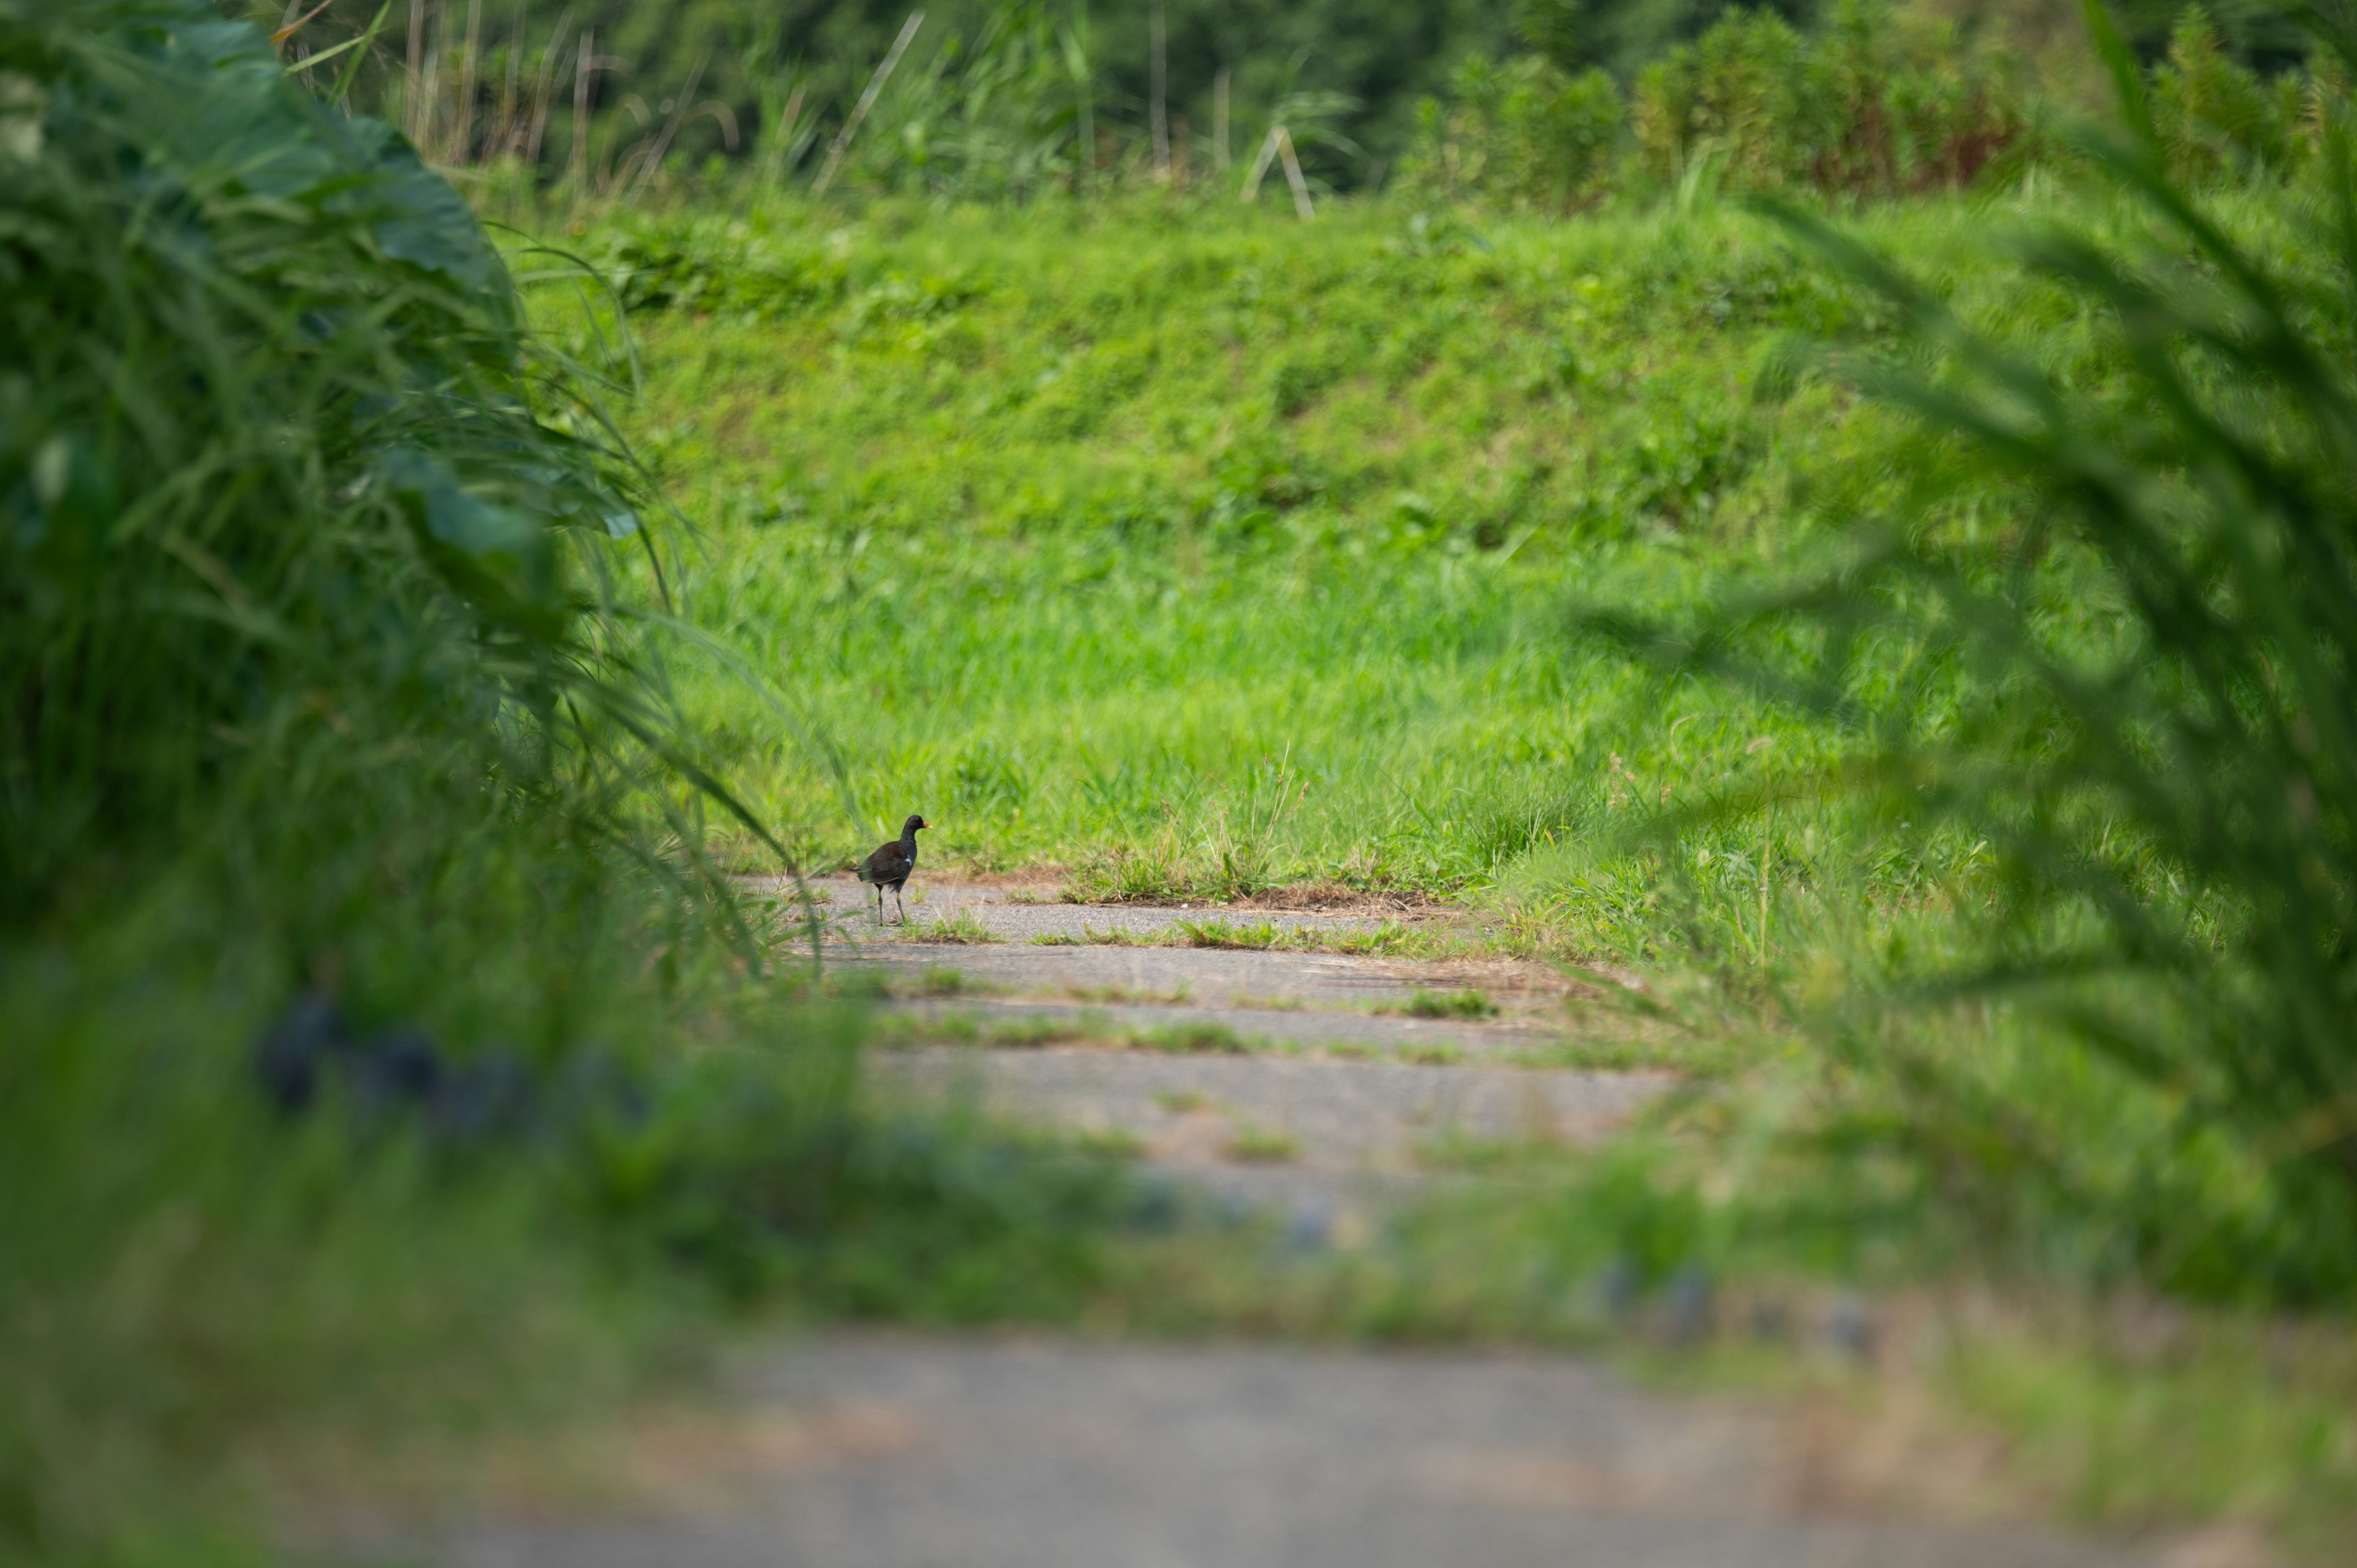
point(913, 823)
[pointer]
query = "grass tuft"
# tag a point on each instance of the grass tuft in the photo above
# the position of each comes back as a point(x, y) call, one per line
point(1466, 1003)
point(1190, 1039)
point(1263, 1145)
point(959, 930)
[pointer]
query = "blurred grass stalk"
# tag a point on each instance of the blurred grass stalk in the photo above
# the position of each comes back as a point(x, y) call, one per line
point(2157, 739)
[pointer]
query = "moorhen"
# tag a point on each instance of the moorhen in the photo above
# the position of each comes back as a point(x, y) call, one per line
point(890, 864)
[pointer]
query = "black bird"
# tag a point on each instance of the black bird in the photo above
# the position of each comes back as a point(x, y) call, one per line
point(890, 864)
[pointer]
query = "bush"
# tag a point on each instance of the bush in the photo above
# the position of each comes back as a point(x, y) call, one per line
point(2212, 114)
point(1862, 108)
point(300, 533)
point(1524, 133)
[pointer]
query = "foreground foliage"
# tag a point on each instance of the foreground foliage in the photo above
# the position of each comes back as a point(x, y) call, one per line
point(336, 744)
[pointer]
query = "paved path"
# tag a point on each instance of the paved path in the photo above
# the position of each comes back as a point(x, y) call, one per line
point(881, 1452)
point(1318, 1139)
point(846, 909)
point(1336, 1032)
point(862, 1452)
point(1339, 1099)
point(1232, 976)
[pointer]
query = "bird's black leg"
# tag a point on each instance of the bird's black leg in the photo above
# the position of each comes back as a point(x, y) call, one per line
point(903, 908)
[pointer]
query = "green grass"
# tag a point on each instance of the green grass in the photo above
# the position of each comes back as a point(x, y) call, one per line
point(959, 930)
point(1189, 1040)
point(1130, 994)
point(1263, 1146)
point(1466, 1003)
point(1259, 934)
point(1044, 485)
point(1197, 561)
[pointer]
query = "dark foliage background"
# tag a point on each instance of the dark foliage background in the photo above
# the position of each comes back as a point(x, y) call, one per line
point(1381, 55)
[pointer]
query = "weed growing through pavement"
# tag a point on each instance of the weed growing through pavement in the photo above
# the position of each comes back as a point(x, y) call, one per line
point(934, 981)
point(1110, 1143)
point(1191, 1039)
point(1267, 1003)
point(1466, 1003)
point(1432, 1056)
point(1263, 1145)
point(1176, 996)
point(1259, 934)
point(959, 930)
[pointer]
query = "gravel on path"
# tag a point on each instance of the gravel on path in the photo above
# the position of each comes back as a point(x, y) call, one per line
point(887, 1452)
point(1226, 976)
point(1320, 1141)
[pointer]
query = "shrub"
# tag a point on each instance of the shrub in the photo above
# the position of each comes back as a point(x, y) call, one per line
point(1524, 133)
point(1864, 107)
point(302, 537)
point(2210, 112)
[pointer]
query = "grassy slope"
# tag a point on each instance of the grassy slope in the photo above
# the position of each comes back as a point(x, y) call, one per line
point(1213, 549)
point(1076, 535)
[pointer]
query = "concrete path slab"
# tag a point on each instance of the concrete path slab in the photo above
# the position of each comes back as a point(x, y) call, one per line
point(1339, 1115)
point(1341, 1085)
point(876, 1452)
point(1015, 916)
point(1222, 976)
point(1322, 1142)
point(1301, 1029)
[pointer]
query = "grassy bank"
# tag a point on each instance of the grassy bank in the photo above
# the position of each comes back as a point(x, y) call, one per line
point(1197, 550)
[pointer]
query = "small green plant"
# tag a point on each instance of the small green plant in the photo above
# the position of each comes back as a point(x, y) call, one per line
point(962, 928)
point(1432, 1056)
point(1128, 875)
point(1191, 1039)
point(1020, 1034)
point(1263, 1145)
point(1183, 1102)
point(1240, 840)
point(1466, 1003)
point(934, 980)
point(1217, 933)
point(1110, 1143)
point(1130, 994)
point(1389, 940)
